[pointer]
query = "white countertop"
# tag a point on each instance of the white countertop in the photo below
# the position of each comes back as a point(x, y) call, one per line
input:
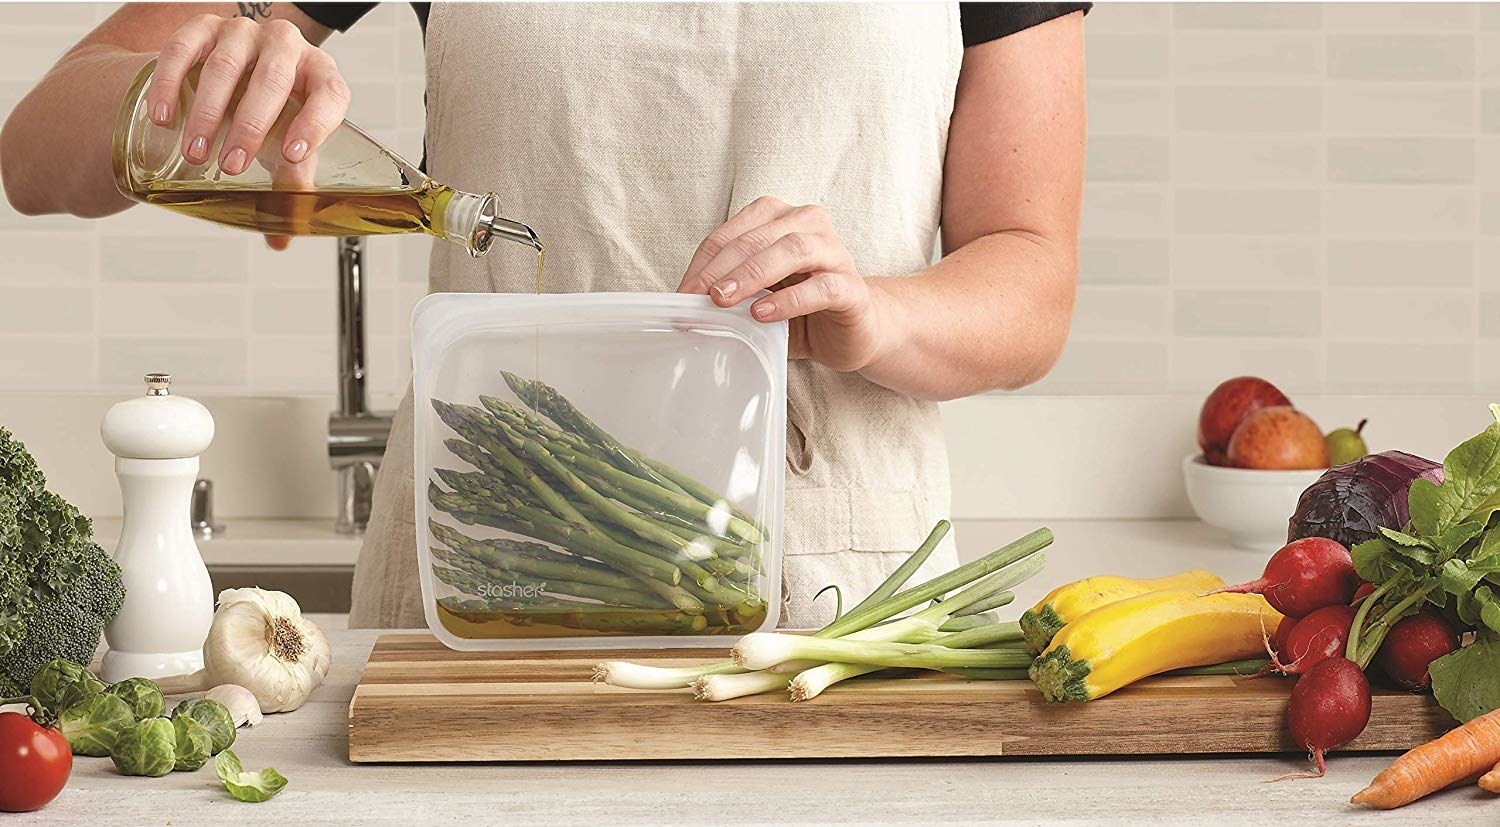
point(248, 541)
point(310, 745)
point(1144, 548)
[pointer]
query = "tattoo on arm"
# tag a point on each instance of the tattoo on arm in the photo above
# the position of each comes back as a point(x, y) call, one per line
point(255, 11)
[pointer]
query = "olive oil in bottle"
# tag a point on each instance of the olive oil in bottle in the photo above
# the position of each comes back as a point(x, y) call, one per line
point(352, 185)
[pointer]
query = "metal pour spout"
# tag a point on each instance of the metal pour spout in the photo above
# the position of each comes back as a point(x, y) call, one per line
point(514, 231)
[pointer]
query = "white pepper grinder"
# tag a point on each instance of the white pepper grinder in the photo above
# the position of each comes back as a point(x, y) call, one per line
point(169, 599)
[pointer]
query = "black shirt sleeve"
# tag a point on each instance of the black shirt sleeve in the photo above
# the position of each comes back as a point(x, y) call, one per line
point(983, 22)
point(336, 15)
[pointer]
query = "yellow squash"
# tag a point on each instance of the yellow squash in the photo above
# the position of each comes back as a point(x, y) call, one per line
point(1065, 604)
point(1118, 644)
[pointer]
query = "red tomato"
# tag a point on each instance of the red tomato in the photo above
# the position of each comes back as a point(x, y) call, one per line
point(34, 763)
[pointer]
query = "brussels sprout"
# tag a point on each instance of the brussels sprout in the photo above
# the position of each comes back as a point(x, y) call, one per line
point(146, 747)
point(61, 684)
point(253, 787)
point(141, 694)
point(213, 716)
point(92, 726)
point(194, 744)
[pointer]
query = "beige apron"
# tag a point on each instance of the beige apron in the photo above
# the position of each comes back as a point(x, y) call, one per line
point(624, 133)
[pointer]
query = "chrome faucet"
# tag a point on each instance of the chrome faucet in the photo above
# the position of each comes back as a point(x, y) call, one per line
point(356, 435)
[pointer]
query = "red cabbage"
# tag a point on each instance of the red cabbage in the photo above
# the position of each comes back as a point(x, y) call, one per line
point(1350, 502)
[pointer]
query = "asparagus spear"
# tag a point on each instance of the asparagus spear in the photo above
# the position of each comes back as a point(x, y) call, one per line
point(714, 511)
point(530, 558)
point(585, 436)
point(459, 419)
point(544, 398)
point(483, 575)
point(581, 616)
point(509, 515)
point(607, 508)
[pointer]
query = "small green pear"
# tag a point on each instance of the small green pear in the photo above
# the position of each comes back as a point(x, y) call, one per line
point(1346, 444)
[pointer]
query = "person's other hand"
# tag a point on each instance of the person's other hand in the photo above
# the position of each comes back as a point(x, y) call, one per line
point(836, 316)
point(279, 63)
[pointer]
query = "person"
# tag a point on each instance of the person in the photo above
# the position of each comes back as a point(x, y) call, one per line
point(825, 153)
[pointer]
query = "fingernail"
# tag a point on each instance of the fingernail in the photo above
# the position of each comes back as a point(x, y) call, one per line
point(726, 288)
point(198, 150)
point(235, 161)
point(763, 309)
point(296, 151)
point(163, 114)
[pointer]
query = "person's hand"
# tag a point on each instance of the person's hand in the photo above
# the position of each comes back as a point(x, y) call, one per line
point(280, 63)
point(836, 316)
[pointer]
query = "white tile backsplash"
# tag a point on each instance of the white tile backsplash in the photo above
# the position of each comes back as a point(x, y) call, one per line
point(1401, 160)
point(1401, 57)
point(1400, 212)
point(1220, 55)
point(1248, 211)
point(1289, 189)
point(1249, 109)
point(1383, 263)
point(1247, 313)
point(1400, 109)
point(1261, 160)
point(1401, 18)
point(1247, 15)
point(1229, 261)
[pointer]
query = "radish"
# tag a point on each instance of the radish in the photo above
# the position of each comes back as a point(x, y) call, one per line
point(1412, 644)
point(1279, 640)
point(1314, 639)
point(1330, 706)
point(1303, 576)
point(1365, 590)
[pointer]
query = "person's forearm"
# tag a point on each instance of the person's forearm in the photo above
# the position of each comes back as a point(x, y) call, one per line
point(55, 146)
point(944, 344)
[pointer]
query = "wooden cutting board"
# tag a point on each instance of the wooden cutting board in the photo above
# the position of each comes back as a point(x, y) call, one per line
point(420, 701)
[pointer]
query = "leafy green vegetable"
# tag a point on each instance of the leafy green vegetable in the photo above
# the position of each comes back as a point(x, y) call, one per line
point(213, 716)
point(194, 744)
point(61, 684)
point(143, 696)
point(1467, 682)
point(146, 747)
point(58, 589)
point(1448, 557)
point(93, 726)
point(247, 786)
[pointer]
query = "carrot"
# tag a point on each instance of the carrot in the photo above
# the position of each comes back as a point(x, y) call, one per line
point(1491, 780)
point(1457, 756)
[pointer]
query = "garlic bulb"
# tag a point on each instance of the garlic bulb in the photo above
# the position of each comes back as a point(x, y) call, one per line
point(260, 640)
point(240, 702)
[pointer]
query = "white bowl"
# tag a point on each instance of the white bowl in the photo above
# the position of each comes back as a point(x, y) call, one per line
point(1253, 506)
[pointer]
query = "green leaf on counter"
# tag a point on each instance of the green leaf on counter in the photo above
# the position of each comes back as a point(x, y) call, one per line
point(1467, 682)
point(253, 787)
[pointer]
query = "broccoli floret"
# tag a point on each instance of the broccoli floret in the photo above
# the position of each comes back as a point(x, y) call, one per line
point(58, 590)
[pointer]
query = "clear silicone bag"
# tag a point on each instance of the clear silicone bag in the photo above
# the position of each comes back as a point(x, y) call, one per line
point(597, 469)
